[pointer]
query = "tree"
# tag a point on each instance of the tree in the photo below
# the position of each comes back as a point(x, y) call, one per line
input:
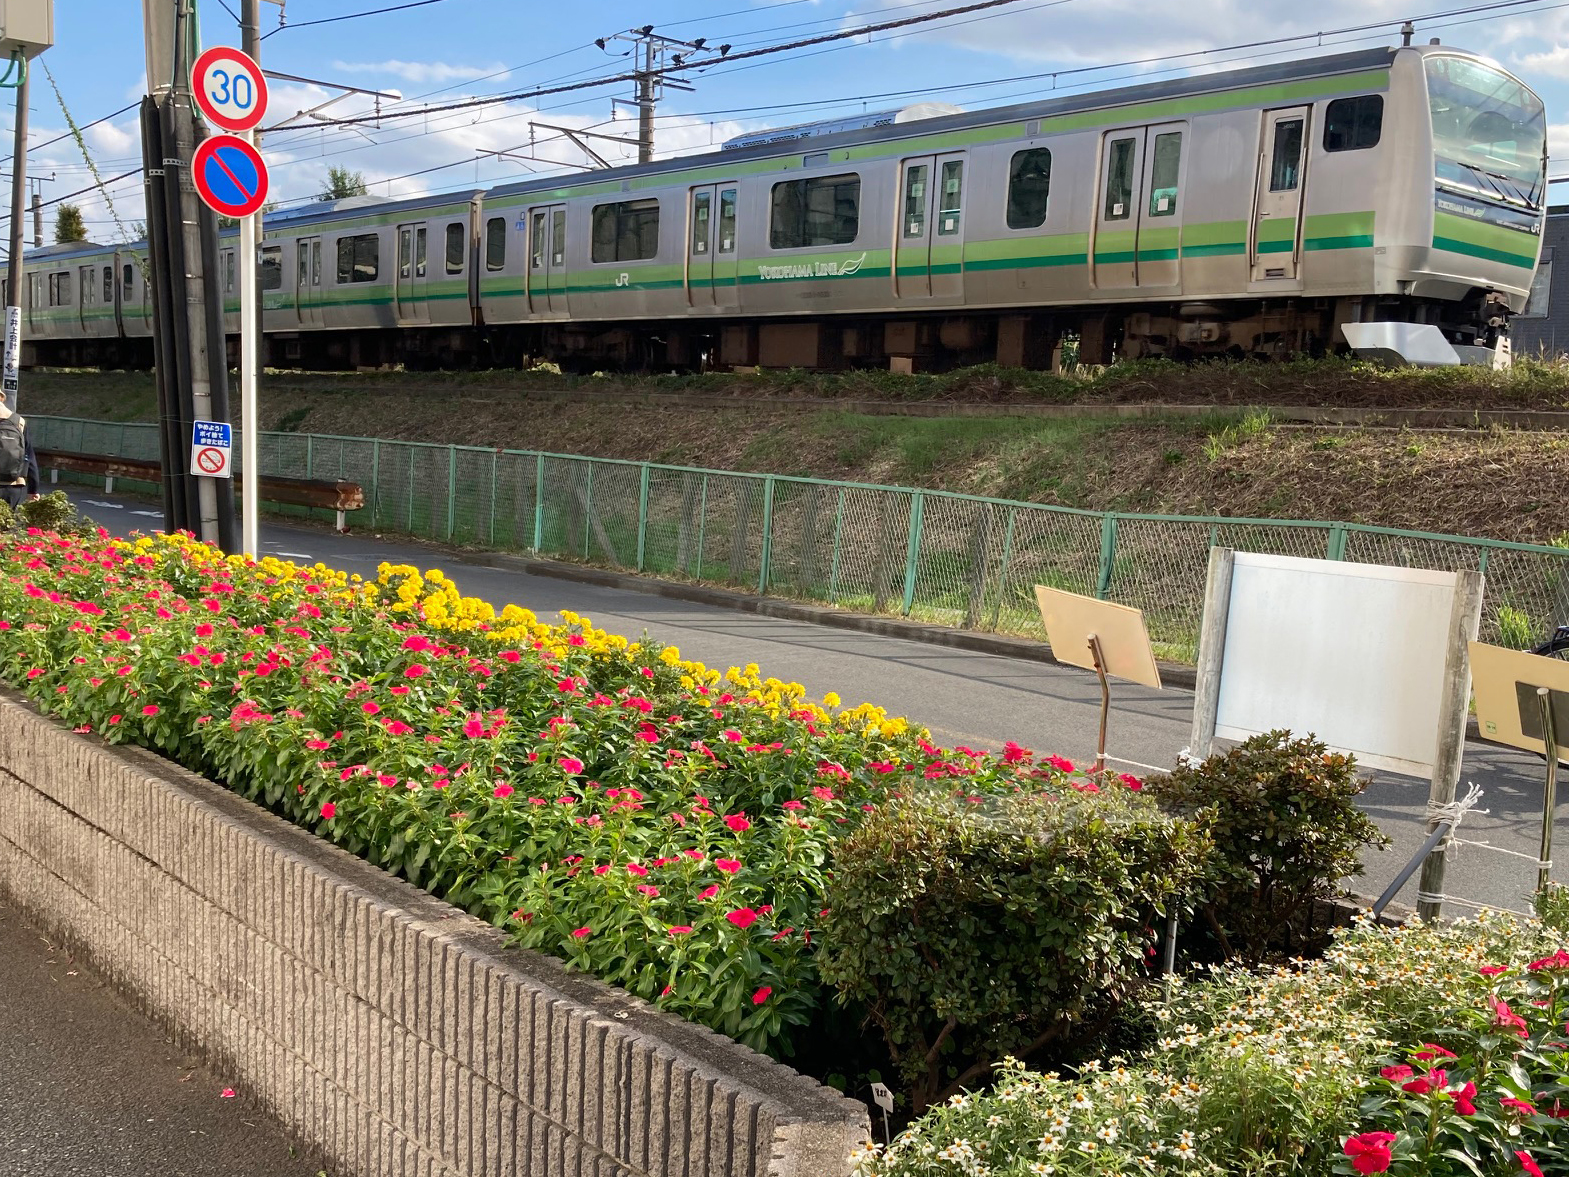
point(231, 222)
point(69, 226)
point(341, 182)
point(139, 231)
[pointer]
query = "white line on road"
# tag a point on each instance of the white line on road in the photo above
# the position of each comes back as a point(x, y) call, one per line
point(295, 555)
point(97, 503)
point(149, 514)
point(1137, 763)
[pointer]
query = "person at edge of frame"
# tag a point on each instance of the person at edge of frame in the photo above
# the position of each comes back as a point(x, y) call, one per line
point(25, 485)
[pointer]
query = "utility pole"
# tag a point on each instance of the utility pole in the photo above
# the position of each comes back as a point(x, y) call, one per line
point(654, 55)
point(251, 333)
point(28, 31)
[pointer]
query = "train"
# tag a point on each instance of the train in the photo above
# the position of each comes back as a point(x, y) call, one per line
point(1387, 200)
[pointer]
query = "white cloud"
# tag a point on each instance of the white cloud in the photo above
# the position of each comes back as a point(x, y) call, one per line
point(424, 72)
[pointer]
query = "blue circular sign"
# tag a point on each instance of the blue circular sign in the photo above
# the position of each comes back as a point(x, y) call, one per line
point(230, 176)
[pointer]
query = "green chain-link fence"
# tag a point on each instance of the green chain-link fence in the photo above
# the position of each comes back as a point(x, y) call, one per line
point(954, 559)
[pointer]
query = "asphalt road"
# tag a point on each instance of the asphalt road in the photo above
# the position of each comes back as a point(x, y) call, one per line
point(980, 700)
point(92, 1089)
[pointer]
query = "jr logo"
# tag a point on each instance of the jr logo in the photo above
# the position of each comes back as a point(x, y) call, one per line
point(623, 279)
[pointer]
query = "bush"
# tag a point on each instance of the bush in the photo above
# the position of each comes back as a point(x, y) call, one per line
point(974, 927)
point(1263, 1072)
point(1282, 815)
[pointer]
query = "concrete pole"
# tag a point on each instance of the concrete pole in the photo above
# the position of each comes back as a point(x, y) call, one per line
point(9, 375)
point(38, 220)
point(645, 102)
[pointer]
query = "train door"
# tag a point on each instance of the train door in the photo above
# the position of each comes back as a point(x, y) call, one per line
point(1116, 251)
point(1277, 218)
point(413, 270)
point(307, 282)
point(929, 239)
point(1160, 213)
point(712, 258)
point(547, 261)
point(87, 289)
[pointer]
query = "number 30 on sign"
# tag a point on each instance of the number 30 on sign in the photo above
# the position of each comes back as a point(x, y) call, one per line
point(229, 89)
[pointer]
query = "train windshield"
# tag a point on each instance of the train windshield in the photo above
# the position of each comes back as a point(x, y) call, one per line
point(1489, 131)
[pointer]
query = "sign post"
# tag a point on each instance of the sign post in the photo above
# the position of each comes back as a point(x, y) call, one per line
point(231, 177)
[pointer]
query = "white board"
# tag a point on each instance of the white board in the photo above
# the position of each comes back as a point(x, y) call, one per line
point(1354, 653)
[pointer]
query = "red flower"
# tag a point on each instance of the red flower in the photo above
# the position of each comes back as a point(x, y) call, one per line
point(1505, 1018)
point(1429, 1051)
point(679, 930)
point(1131, 781)
point(1558, 960)
point(1527, 1165)
point(1520, 1106)
point(418, 670)
point(728, 865)
point(1463, 1098)
point(1397, 1074)
point(742, 918)
point(1013, 754)
point(731, 735)
point(582, 933)
point(397, 727)
point(570, 765)
point(708, 892)
point(1060, 764)
point(634, 869)
point(503, 790)
point(474, 728)
point(761, 995)
point(150, 709)
point(602, 868)
point(651, 892)
point(1492, 970)
point(737, 822)
point(417, 643)
point(1369, 1152)
point(369, 708)
point(329, 810)
point(1433, 1081)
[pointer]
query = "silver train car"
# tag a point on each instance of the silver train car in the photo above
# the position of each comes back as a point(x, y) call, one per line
point(1386, 200)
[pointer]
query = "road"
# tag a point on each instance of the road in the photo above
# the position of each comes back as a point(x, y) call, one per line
point(92, 1089)
point(980, 700)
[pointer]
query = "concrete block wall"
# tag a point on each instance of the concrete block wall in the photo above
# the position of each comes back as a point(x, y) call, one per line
point(393, 1032)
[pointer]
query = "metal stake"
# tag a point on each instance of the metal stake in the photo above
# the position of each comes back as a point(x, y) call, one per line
point(1105, 701)
point(1550, 792)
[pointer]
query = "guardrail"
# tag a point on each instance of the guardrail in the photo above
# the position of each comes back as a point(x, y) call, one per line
point(337, 496)
point(935, 556)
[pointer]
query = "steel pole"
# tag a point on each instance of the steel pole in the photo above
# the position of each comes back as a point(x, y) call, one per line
point(250, 328)
point(13, 302)
point(1550, 790)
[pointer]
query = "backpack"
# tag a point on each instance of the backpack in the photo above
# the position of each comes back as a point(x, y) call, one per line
point(13, 451)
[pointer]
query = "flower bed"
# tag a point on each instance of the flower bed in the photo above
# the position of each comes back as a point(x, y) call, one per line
point(1435, 1050)
point(664, 826)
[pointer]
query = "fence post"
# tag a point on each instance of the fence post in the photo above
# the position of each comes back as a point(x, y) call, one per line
point(452, 490)
point(539, 501)
point(310, 455)
point(375, 479)
point(702, 529)
point(1108, 554)
point(495, 461)
point(913, 552)
point(642, 516)
point(1337, 541)
point(833, 569)
point(412, 453)
point(768, 535)
point(980, 549)
point(588, 508)
point(1002, 570)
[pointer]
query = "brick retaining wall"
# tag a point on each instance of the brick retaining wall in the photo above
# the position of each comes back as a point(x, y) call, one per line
point(389, 1030)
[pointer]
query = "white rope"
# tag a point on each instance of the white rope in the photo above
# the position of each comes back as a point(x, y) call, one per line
point(1547, 865)
point(1453, 812)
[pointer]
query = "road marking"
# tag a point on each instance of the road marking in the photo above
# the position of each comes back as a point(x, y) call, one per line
point(295, 555)
point(96, 503)
point(149, 514)
point(1137, 763)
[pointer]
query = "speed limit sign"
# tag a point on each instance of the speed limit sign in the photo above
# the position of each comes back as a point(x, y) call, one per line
point(229, 89)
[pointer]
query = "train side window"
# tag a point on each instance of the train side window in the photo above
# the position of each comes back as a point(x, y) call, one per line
point(627, 231)
point(915, 200)
point(727, 221)
point(495, 243)
point(316, 262)
point(1351, 124)
point(950, 197)
point(272, 267)
point(702, 209)
point(1029, 187)
point(455, 243)
point(419, 252)
point(821, 210)
point(536, 235)
point(558, 238)
point(127, 280)
point(1165, 170)
point(359, 258)
point(1285, 168)
point(1119, 180)
point(108, 284)
point(65, 290)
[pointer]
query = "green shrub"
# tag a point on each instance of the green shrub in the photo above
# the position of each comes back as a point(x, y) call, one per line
point(973, 928)
point(1552, 907)
point(1516, 630)
point(1282, 815)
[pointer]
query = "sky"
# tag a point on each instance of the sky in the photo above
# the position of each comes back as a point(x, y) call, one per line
point(444, 51)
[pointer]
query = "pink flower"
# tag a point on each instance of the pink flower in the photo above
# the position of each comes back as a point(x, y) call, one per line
point(417, 643)
point(1131, 781)
point(743, 917)
point(602, 868)
point(571, 765)
point(737, 822)
point(761, 995)
point(1061, 765)
point(793, 804)
point(386, 780)
point(1519, 1106)
point(1397, 1074)
point(1558, 960)
point(1430, 1051)
point(114, 719)
point(150, 709)
point(728, 865)
point(679, 930)
point(511, 656)
point(1422, 1084)
point(1369, 1152)
point(634, 869)
point(1493, 970)
point(1527, 1165)
point(1013, 754)
point(582, 933)
point(651, 891)
point(502, 791)
point(418, 670)
point(397, 727)
point(329, 810)
point(1505, 1018)
point(370, 708)
point(226, 1093)
point(731, 735)
point(474, 728)
point(204, 630)
point(708, 892)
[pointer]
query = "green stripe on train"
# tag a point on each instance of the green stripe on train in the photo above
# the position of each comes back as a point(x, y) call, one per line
point(1496, 243)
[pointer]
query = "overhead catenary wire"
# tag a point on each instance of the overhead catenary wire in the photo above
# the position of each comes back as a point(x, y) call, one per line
point(327, 20)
